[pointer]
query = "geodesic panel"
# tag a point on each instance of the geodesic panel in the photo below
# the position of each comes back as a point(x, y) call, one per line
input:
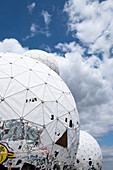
point(39, 122)
point(89, 153)
point(43, 57)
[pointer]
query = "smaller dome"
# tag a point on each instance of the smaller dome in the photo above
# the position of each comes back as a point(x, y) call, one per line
point(43, 57)
point(89, 153)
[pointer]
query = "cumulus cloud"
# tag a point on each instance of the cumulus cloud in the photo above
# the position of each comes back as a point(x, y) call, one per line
point(47, 17)
point(91, 22)
point(31, 7)
point(12, 45)
point(71, 47)
point(90, 80)
point(88, 69)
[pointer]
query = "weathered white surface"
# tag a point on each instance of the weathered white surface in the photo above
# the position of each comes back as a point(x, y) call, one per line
point(89, 152)
point(37, 111)
point(43, 57)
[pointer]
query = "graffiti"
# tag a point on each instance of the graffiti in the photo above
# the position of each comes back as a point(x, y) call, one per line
point(28, 152)
point(43, 148)
point(5, 154)
point(11, 130)
point(26, 140)
point(28, 147)
point(40, 160)
point(31, 100)
point(37, 158)
point(18, 130)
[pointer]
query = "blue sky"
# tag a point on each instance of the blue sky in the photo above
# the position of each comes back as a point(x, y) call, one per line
point(80, 35)
point(16, 20)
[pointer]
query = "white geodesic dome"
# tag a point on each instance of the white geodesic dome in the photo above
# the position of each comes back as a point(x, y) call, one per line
point(43, 57)
point(89, 153)
point(39, 122)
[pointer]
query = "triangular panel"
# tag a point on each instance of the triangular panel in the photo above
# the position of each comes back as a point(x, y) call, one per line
point(23, 78)
point(31, 102)
point(38, 91)
point(63, 141)
point(51, 129)
point(36, 115)
point(14, 88)
point(16, 70)
point(52, 106)
point(4, 83)
point(48, 95)
point(6, 69)
point(6, 112)
point(35, 80)
point(17, 101)
point(45, 138)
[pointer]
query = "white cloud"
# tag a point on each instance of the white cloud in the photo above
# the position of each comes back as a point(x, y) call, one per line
point(92, 21)
point(35, 29)
point(11, 45)
point(72, 46)
point(46, 48)
point(90, 81)
point(89, 78)
point(47, 17)
point(107, 152)
point(31, 7)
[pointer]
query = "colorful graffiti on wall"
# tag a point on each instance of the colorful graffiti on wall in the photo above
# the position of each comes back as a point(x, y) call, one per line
point(12, 130)
point(5, 153)
point(21, 140)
